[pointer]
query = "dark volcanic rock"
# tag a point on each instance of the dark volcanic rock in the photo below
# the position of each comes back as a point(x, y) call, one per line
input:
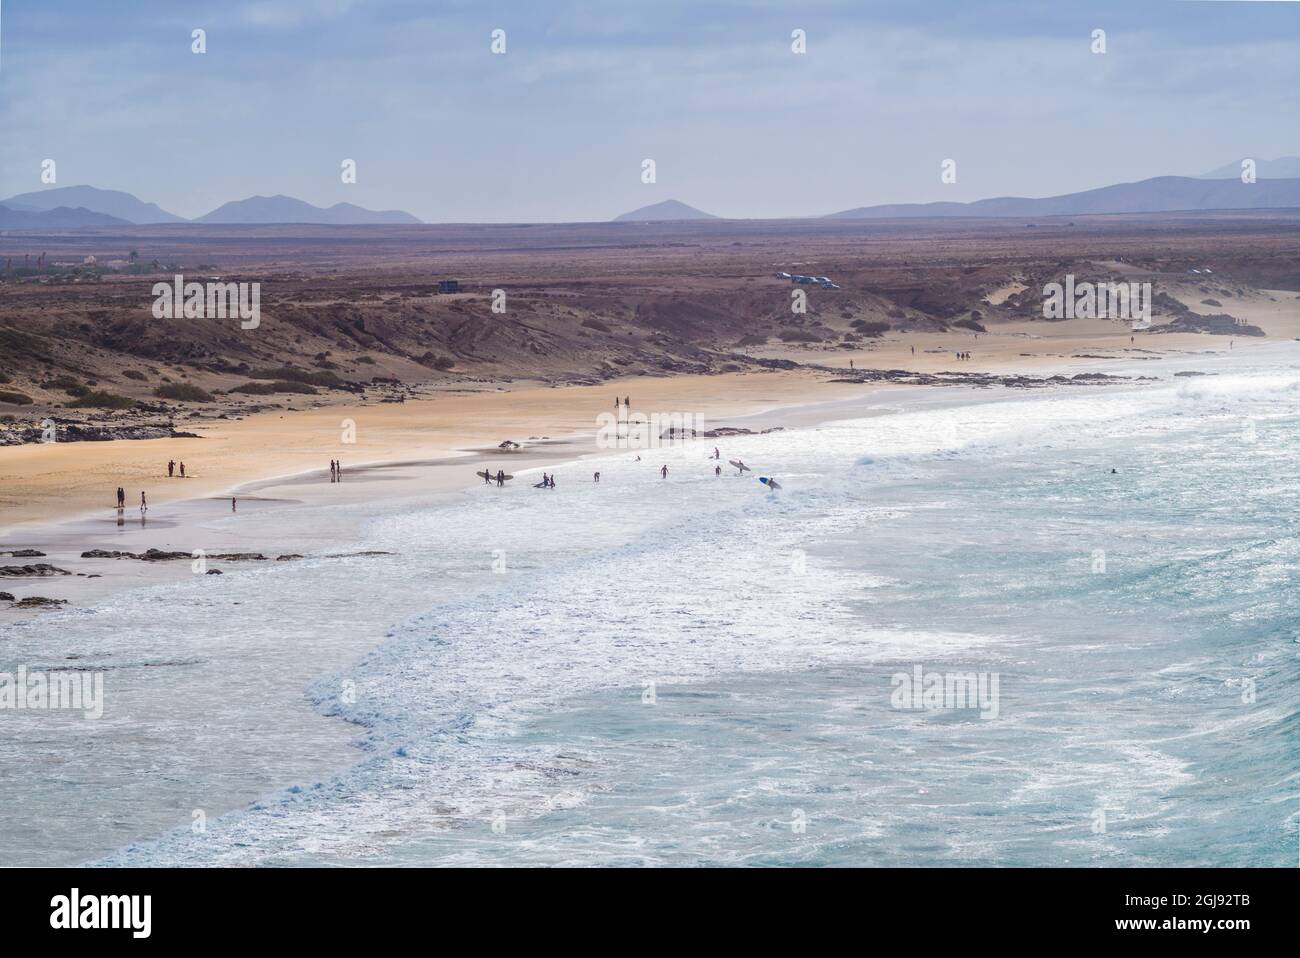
point(39, 569)
point(24, 554)
point(158, 555)
point(6, 597)
point(39, 602)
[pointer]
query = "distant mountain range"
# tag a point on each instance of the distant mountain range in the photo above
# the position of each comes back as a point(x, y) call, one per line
point(61, 217)
point(667, 210)
point(115, 203)
point(66, 207)
point(286, 209)
point(1277, 187)
point(1283, 168)
point(1161, 194)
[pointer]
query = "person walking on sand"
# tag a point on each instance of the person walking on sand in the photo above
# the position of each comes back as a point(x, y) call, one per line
point(595, 477)
point(716, 454)
point(171, 467)
point(121, 498)
point(717, 471)
point(144, 503)
point(663, 473)
point(501, 478)
point(232, 503)
point(182, 470)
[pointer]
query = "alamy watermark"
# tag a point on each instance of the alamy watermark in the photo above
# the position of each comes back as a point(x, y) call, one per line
point(919, 690)
point(626, 430)
point(182, 300)
point(40, 691)
point(1070, 300)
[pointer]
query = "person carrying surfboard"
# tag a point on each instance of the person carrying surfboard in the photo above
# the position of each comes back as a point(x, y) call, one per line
point(501, 478)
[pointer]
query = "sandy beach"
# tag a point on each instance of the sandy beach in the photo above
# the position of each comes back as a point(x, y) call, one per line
point(58, 497)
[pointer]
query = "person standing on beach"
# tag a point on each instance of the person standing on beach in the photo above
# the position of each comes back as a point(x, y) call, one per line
point(338, 470)
point(182, 470)
point(171, 467)
point(717, 471)
point(232, 503)
point(663, 473)
point(595, 477)
point(121, 498)
point(501, 478)
point(144, 503)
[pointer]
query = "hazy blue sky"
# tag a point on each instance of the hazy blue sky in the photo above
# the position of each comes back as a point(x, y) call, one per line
point(556, 129)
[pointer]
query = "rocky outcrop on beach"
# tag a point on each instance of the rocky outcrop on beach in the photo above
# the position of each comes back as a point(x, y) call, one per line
point(23, 554)
point(18, 435)
point(32, 601)
point(1186, 321)
point(978, 379)
point(724, 431)
point(159, 555)
point(39, 602)
point(35, 571)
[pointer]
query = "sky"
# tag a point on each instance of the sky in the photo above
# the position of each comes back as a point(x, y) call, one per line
point(556, 128)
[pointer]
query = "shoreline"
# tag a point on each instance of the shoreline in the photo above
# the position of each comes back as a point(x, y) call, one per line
point(414, 450)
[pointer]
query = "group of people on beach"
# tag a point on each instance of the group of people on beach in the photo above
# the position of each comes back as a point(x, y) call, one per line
point(121, 500)
point(548, 479)
point(171, 468)
point(336, 470)
point(963, 355)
